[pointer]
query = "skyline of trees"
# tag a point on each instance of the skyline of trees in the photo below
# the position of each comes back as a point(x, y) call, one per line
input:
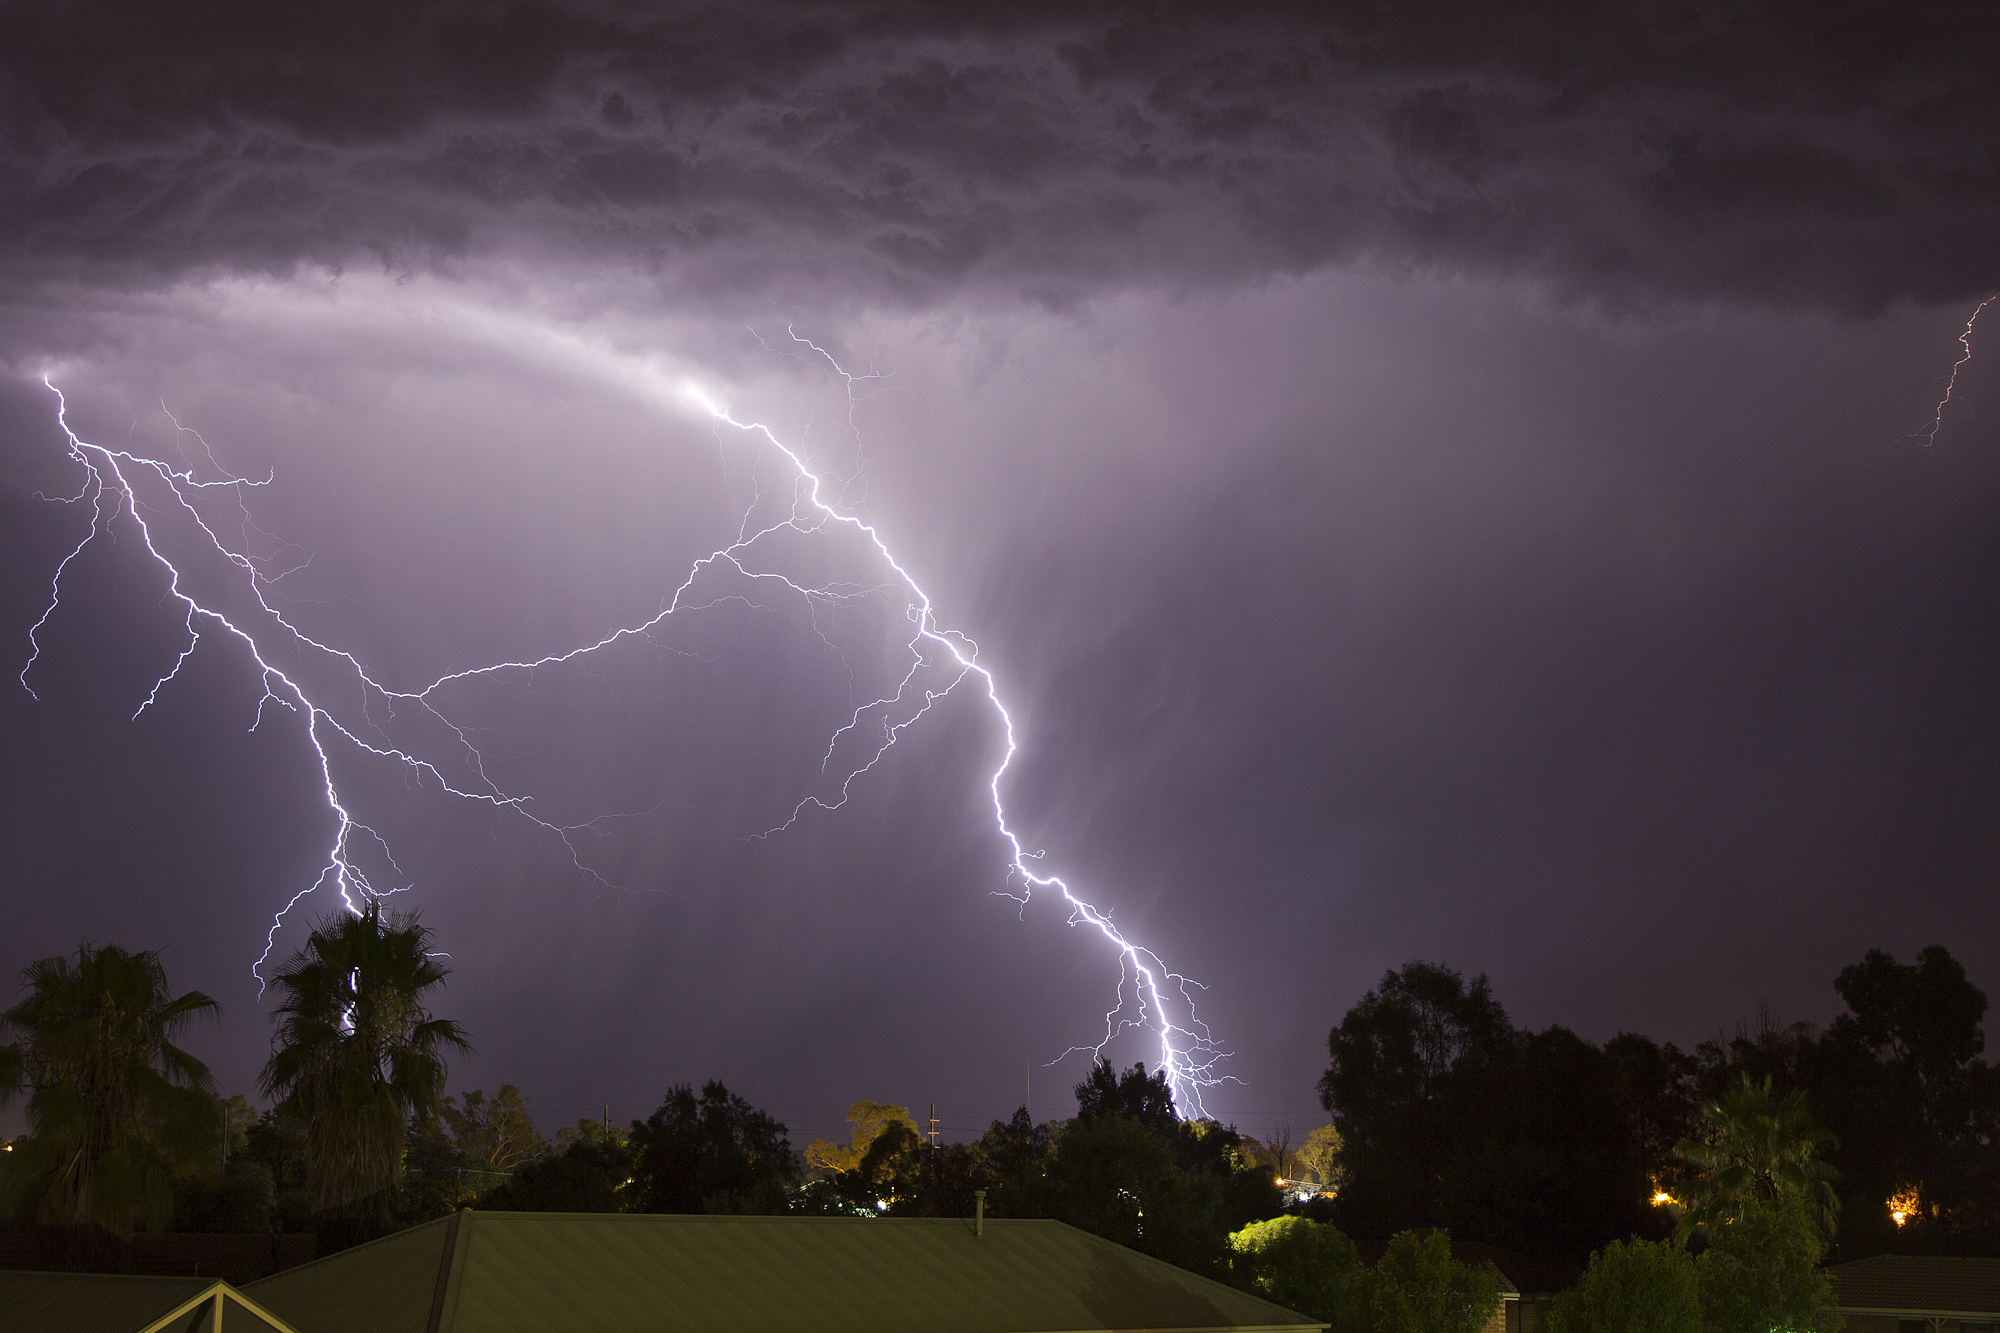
point(1445, 1116)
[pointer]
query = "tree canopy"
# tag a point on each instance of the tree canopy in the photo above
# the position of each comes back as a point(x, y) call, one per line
point(357, 1055)
point(115, 1107)
point(712, 1153)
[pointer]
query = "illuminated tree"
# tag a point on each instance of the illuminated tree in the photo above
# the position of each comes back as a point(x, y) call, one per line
point(1301, 1264)
point(1761, 1272)
point(496, 1131)
point(1417, 1287)
point(1319, 1156)
point(865, 1121)
point(357, 1054)
point(1759, 1149)
point(115, 1107)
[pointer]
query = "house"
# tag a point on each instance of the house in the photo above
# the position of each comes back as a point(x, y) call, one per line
point(1911, 1293)
point(116, 1303)
point(479, 1272)
point(1528, 1286)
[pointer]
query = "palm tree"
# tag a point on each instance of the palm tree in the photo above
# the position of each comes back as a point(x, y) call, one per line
point(115, 1107)
point(357, 1055)
point(1760, 1148)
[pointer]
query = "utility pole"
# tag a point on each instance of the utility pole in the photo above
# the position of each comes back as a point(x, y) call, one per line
point(933, 1124)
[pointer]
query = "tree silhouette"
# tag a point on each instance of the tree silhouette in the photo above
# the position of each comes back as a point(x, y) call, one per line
point(116, 1108)
point(357, 1055)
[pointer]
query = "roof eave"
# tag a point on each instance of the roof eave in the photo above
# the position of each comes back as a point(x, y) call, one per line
point(1923, 1312)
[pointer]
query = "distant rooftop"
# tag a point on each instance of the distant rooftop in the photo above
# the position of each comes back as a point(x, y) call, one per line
point(1919, 1285)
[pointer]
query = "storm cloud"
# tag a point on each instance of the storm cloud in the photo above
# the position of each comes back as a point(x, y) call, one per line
point(1841, 155)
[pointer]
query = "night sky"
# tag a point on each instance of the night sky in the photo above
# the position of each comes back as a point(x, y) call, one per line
point(1436, 481)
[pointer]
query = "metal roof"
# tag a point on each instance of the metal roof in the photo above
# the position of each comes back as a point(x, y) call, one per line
point(115, 1303)
point(652, 1273)
point(1917, 1285)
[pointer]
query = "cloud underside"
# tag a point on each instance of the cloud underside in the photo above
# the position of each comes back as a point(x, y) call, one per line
point(1830, 155)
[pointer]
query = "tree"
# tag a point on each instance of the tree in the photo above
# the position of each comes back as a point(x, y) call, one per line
point(1319, 1157)
point(1417, 1287)
point(1541, 1157)
point(1635, 1286)
point(114, 1106)
point(1119, 1178)
point(1761, 1272)
point(1147, 1098)
point(1759, 1149)
point(588, 1176)
point(1916, 1109)
point(1301, 1264)
point(1923, 1021)
point(714, 1153)
point(1655, 1089)
point(1399, 1061)
point(1017, 1156)
point(865, 1121)
point(357, 1056)
point(498, 1132)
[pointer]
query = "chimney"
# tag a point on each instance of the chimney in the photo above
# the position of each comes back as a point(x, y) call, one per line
point(979, 1212)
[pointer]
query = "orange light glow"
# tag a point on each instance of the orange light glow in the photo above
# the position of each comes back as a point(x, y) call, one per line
point(1903, 1205)
point(1661, 1199)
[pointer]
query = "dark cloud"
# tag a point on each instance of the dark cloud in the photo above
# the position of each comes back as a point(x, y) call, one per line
point(1841, 155)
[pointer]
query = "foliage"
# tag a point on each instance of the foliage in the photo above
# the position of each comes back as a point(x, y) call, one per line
point(590, 1175)
point(1417, 1287)
point(1760, 1148)
point(865, 1120)
point(115, 1108)
point(277, 1142)
point(1916, 1109)
point(1118, 1178)
point(239, 1114)
point(1016, 1152)
point(497, 1132)
point(1400, 1060)
point(1302, 1265)
point(1635, 1286)
point(710, 1154)
point(437, 1179)
point(1761, 1272)
point(591, 1132)
point(1319, 1157)
point(1146, 1098)
point(1448, 1116)
point(358, 1056)
point(1654, 1088)
point(241, 1200)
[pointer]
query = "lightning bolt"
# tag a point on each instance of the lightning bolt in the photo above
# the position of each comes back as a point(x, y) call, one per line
point(345, 708)
point(1929, 436)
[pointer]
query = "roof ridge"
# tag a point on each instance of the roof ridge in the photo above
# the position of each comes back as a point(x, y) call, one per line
point(404, 1234)
point(447, 1269)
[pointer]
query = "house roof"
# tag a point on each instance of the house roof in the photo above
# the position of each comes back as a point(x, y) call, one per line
point(114, 1303)
point(651, 1273)
point(1914, 1284)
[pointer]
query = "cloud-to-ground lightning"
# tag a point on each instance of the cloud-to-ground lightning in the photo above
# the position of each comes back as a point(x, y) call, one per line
point(346, 709)
point(1929, 434)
